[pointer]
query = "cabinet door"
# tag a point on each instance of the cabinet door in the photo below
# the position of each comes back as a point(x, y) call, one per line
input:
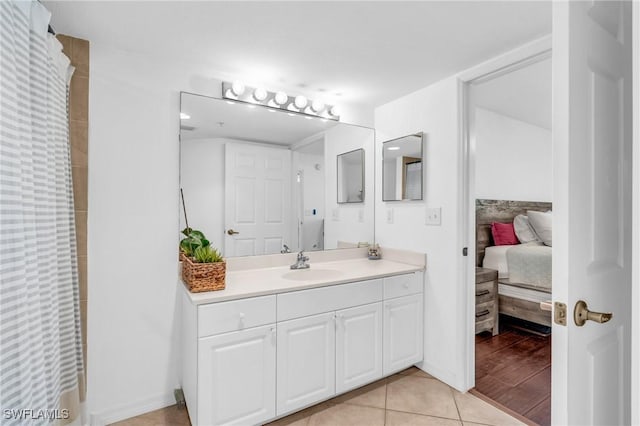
point(306, 361)
point(402, 332)
point(237, 377)
point(358, 346)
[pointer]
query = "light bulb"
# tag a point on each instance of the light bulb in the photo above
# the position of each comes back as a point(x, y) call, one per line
point(237, 87)
point(260, 94)
point(317, 105)
point(300, 102)
point(335, 111)
point(281, 98)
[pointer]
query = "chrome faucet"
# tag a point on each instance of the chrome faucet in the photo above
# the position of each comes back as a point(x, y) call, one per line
point(285, 249)
point(301, 262)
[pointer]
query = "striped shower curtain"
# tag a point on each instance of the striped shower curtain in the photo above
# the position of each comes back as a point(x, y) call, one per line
point(41, 362)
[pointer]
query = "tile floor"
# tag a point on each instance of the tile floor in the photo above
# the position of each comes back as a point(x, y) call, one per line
point(411, 397)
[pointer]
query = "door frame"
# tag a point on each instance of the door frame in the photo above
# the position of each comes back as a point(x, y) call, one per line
point(635, 244)
point(521, 56)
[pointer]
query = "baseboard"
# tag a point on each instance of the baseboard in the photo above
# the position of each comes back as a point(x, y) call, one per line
point(126, 411)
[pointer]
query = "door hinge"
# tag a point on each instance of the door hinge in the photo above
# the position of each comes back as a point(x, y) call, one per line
point(560, 313)
point(465, 251)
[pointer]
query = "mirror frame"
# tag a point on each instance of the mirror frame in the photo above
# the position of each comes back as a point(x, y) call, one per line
point(338, 178)
point(422, 185)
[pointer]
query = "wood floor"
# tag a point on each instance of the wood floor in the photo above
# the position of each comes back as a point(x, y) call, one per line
point(514, 370)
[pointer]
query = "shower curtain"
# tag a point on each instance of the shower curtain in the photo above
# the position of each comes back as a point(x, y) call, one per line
point(41, 362)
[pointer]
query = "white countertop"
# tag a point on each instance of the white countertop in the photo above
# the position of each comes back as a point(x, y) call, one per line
point(264, 281)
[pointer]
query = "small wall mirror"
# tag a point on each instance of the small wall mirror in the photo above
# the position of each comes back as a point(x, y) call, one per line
point(402, 168)
point(351, 177)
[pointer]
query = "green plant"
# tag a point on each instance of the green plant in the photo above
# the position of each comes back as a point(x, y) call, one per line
point(207, 255)
point(194, 240)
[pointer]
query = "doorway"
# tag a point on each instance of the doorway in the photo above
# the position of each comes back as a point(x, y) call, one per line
point(509, 203)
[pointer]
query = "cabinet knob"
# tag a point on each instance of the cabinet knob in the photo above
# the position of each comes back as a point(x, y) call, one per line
point(241, 316)
point(406, 285)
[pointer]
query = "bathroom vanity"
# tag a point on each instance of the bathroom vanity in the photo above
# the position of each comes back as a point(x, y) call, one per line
point(276, 341)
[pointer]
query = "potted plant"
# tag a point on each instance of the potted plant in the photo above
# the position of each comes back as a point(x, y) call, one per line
point(203, 267)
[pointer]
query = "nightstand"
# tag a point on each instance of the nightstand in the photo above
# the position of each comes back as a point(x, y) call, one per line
point(487, 300)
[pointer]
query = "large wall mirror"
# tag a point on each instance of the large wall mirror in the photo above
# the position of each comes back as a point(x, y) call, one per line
point(403, 168)
point(256, 179)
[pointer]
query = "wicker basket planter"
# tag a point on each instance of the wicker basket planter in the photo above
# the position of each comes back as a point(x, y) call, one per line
point(201, 277)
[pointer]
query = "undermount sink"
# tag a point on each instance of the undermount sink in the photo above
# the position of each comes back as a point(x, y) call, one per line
point(312, 274)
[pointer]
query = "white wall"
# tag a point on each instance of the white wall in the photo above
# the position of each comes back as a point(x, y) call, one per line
point(133, 227)
point(354, 222)
point(513, 159)
point(433, 110)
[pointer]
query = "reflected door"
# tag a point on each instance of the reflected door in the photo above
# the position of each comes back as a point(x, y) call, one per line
point(257, 199)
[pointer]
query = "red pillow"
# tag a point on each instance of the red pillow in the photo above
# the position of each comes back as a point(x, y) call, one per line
point(503, 234)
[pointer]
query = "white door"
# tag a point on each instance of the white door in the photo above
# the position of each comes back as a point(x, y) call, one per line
point(358, 346)
point(592, 210)
point(257, 199)
point(402, 333)
point(306, 361)
point(237, 377)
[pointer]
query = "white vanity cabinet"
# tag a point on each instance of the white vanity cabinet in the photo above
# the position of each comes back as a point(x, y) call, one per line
point(237, 377)
point(306, 361)
point(358, 346)
point(251, 360)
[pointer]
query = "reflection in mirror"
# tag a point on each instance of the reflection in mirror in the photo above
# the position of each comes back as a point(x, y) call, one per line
point(351, 177)
point(256, 180)
point(402, 168)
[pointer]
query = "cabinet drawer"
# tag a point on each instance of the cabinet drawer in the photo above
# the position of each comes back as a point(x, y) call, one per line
point(485, 311)
point(216, 318)
point(485, 292)
point(402, 285)
point(303, 303)
point(486, 324)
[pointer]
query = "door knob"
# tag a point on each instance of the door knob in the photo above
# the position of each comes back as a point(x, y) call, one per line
point(581, 314)
point(232, 232)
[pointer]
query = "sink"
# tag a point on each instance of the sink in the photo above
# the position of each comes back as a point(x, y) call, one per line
point(312, 274)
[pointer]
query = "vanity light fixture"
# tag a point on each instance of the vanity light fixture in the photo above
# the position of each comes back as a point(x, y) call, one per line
point(260, 94)
point(393, 148)
point(184, 116)
point(281, 98)
point(294, 105)
point(237, 88)
point(300, 102)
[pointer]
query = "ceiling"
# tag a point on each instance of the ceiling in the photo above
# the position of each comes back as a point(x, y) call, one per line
point(214, 118)
point(360, 54)
point(523, 94)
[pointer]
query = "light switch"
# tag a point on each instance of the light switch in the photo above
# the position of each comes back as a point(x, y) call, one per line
point(361, 215)
point(433, 216)
point(389, 216)
point(335, 215)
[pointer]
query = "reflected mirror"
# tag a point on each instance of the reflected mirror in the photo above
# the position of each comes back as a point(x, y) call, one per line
point(256, 179)
point(351, 177)
point(402, 168)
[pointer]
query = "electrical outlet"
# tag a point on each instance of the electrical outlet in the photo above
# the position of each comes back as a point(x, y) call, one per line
point(389, 216)
point(361, 215)
point(433, 216)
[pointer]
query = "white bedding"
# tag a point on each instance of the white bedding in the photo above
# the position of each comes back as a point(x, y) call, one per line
point(530, 264)
point(495, 257)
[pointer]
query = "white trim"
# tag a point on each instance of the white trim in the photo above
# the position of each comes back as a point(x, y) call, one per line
point(532, 51)
point(126, 411)
point(635, 251)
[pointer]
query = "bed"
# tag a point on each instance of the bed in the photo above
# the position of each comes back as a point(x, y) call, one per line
point(524, 270)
